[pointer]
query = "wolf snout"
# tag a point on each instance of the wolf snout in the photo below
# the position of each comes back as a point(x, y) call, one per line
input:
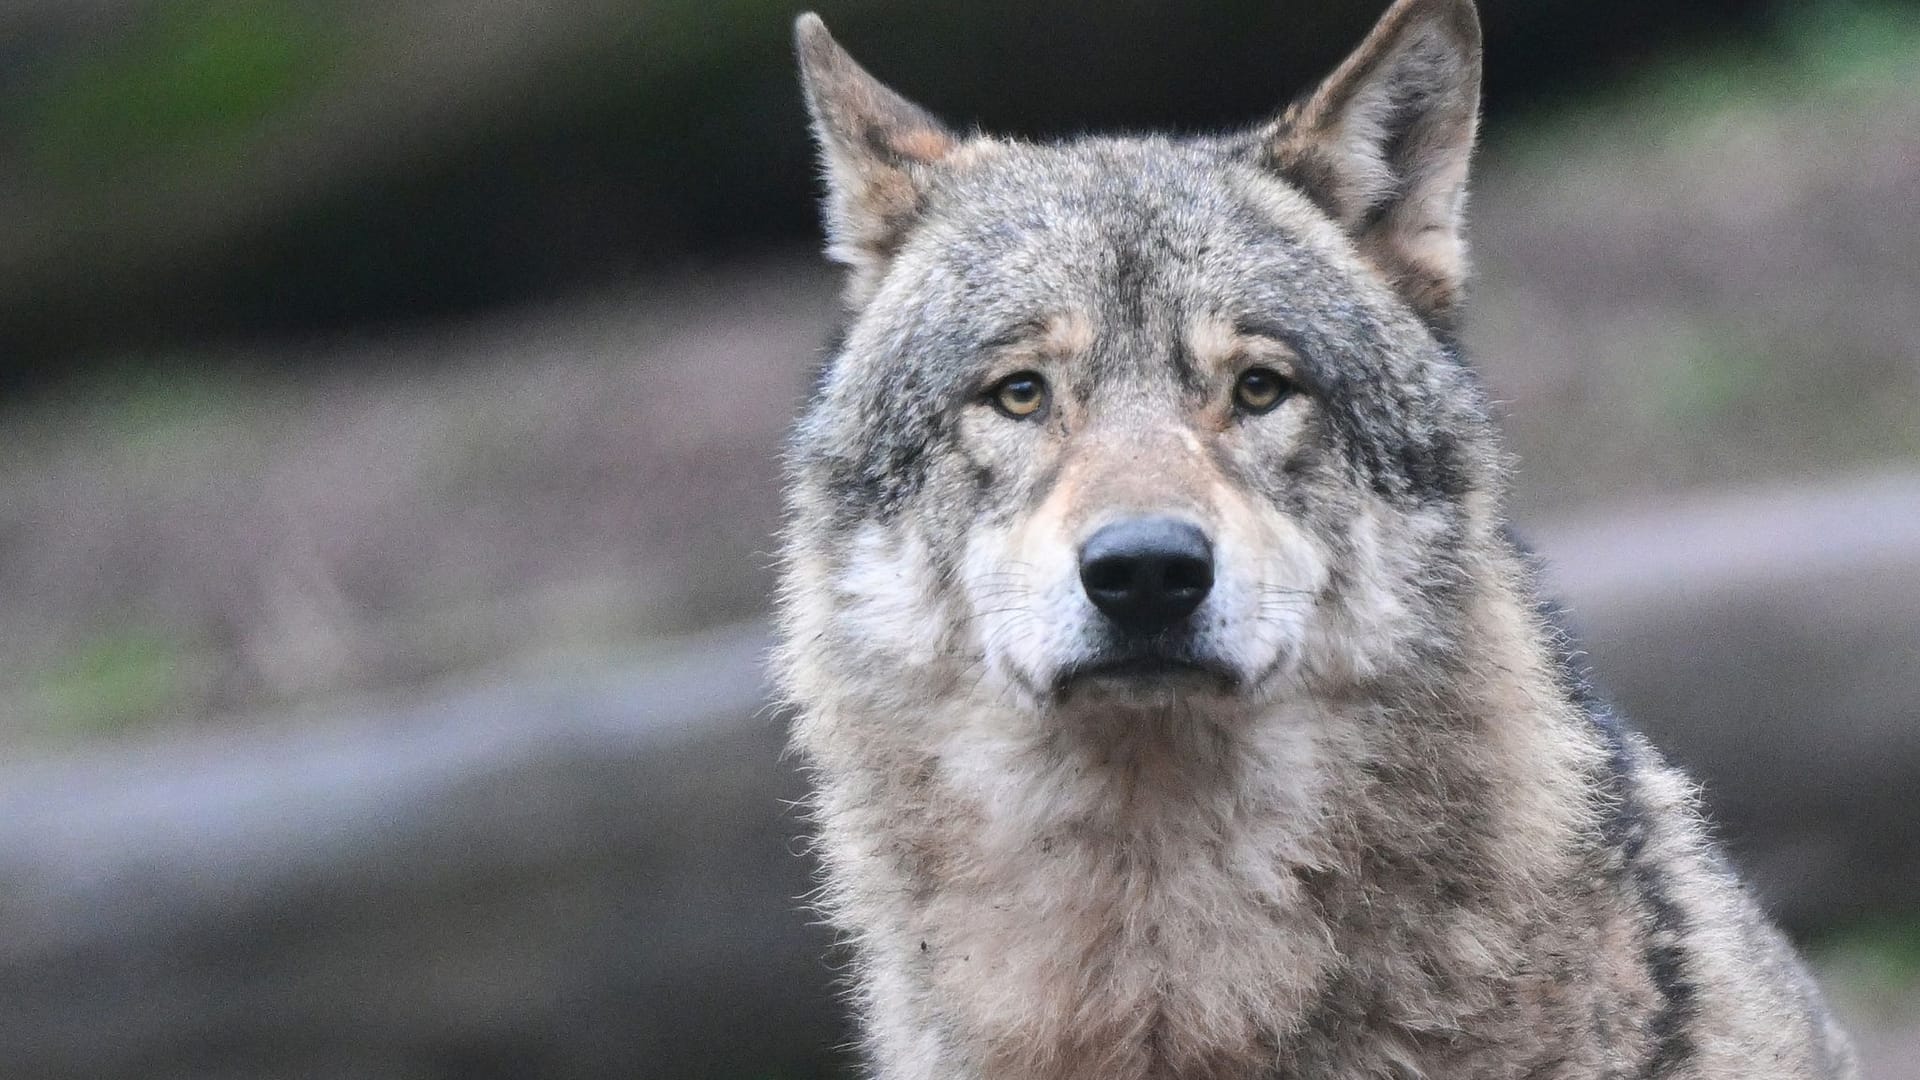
point(1145, 574)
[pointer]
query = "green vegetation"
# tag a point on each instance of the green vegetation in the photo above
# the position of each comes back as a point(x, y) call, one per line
point(1856, 43)
point(161, 405)
point(1872, 966)
point(1835, 50)
point(198, 81)
point(117, 679)
point(151, 413)
point(1709, 374)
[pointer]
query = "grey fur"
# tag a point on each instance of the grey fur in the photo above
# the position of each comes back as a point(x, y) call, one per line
point(1393, 835)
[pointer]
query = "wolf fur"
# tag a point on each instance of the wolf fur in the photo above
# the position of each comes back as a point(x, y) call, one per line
point(1387, 831)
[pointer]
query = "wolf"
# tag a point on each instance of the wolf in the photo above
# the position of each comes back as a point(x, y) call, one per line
point(1177, 700)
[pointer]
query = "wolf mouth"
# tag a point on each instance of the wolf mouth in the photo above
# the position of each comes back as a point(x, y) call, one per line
point(1140, 671)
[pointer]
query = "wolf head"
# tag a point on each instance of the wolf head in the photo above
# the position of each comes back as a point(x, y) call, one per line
point(1123, 422)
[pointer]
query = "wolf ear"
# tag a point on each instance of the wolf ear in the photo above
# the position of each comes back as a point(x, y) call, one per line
point(877, 149)
point(1383, 146)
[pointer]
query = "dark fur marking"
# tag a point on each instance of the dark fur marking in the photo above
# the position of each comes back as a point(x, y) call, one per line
point(1398, 466)
point(878, 138)
point(827, 360)
point(1049, 476)
point(1130, 276)
point(1186, 370)
point(893, 466)
point(1626, 829)
point(983, 477)
point(1314, 176)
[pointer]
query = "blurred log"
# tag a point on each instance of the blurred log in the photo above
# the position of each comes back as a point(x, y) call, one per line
point(1771, 644)
point(589, 879)
point(597, 877)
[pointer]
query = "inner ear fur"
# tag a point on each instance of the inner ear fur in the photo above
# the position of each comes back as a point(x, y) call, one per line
point(1384, 144)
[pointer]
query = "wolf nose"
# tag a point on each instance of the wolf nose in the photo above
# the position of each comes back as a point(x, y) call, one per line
point(1147, 573)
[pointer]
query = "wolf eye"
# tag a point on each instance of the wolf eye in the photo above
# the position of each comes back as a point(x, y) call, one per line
point(1020, 396)
point(1261, 390)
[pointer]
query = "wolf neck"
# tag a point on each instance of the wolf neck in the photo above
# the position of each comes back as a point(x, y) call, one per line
point(1185, 896)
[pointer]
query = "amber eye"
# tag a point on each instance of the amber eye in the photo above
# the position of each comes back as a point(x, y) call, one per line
point(1261, 390)
point(1020, 396)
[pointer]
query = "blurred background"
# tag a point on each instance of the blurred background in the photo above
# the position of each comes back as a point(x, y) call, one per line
point(390, 399)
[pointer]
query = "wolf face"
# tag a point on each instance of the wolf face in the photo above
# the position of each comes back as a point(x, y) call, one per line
point(1140, 421)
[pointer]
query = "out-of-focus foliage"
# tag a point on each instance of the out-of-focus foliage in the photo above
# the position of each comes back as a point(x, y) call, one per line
point(1873, 966)
point(217, 167)
point(195, 88)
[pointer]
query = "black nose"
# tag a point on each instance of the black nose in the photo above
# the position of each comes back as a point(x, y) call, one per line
point(1147, 573)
